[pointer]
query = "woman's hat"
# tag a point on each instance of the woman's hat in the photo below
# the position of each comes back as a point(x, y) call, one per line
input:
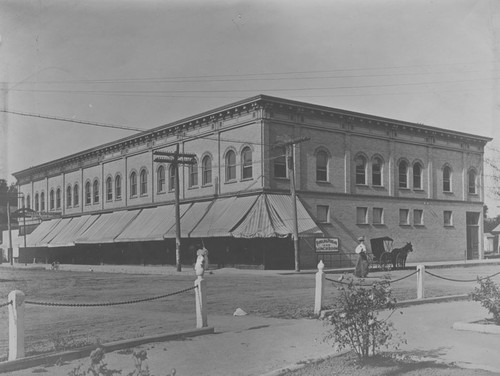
point(361, 239)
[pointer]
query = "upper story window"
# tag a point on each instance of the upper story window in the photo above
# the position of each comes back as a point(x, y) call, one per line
point(417, 176)
point(144, 181)
point(96, 191)
point(51, 199)
point(377, 171)
point(361, 215)
point(58, 198)
point(133, 184)
point(378, 216)
point(109, 189)
point(403, 174)
point(28, 201)
point(76, 195)
point(404, 218)
point(280, 170)
point(360, 169)
point(171, 178)
point(37, 202)
point(118, 187)
point(446, 179)
point(206, 170)
point(42, 201)
point(472, 178)
point(321, 166)
point(68, 196)
point(448, 218)
point(160, 179)
point(193, 174)
point(230, 165)
point(323, 213)
point(246, 167)
point(88, 194)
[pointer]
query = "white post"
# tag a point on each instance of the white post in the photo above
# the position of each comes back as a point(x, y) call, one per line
point(320, 288)
point(200, 295)
point(420, 281)
point(16, 325)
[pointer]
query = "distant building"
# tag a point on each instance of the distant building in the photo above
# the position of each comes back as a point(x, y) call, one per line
point(356, 174)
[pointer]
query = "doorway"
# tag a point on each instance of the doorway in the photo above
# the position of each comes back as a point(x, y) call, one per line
point(472, 221)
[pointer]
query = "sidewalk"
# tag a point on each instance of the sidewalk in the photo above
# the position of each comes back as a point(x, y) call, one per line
point(251, 346)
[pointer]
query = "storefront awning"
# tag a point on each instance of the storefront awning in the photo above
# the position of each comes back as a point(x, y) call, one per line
point(107, 227)
point(151, 224)
point(72, 230)
point(35, 239)
point(272, 216)
point(222, 216)
point(193, 213)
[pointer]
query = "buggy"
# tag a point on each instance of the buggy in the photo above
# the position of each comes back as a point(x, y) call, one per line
point(381, 252)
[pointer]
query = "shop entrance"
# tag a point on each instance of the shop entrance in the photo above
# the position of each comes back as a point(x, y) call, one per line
point(472, 221)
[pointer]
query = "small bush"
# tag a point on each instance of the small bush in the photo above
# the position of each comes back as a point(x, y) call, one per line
point(355, 318)
point(488, 294)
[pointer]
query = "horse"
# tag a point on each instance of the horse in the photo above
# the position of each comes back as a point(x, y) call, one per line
point(399, 255)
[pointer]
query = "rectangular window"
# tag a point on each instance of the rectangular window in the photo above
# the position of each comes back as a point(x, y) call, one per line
point(403, 216)
point(361, 216)
point(280, 167)
point(323, 213)
point(448, 218)
point(418, 217)
point(378, 216)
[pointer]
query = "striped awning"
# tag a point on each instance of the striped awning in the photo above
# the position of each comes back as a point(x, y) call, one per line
point(107, 227)
point(72, 230)
point(35, 239)
point(193, 213)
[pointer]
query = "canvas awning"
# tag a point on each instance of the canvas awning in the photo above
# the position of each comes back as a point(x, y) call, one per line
point(35, 239)
point(107, 227)
point(222, 216)
point(193, 213)
point(72, 230)
point(272, 216)
point(151, 224)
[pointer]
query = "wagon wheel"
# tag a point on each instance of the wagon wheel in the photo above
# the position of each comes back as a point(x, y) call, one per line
point(385, 261)
point(400, 260)
point(369, 259)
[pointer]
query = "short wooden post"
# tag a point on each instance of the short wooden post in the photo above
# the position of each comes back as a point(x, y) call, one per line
point(320, 288)
point(201, 296)
point(16, 325)
point(420, 281)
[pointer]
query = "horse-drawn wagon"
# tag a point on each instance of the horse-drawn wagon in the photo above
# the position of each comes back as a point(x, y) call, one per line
point(387, 257)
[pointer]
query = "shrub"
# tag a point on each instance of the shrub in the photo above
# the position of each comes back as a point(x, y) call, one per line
point(488, 294)
point(355, 318)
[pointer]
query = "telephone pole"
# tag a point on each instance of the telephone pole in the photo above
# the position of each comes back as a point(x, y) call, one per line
point(175, 159)
point(290, 155)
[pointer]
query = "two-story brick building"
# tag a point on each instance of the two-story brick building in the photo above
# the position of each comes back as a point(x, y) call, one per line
point(355, 174)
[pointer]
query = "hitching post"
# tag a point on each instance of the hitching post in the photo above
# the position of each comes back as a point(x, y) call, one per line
point(200, 296)
point(16, 325)
point(320, 288)
point(420, 281)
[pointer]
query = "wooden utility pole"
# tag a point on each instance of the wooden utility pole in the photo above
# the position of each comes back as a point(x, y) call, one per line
point(175, 158)
point(290, 154)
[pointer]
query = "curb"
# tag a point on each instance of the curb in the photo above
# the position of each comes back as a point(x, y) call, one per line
point(475, 327)
point(297, 366)
point(36, 360)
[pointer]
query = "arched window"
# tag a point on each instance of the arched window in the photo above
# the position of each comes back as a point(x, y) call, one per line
point(360, 170)
point(144, 182)
point(109, 189)
point(133, 184)
point(118, 187)
point(37, 203)
point(230, 165)
point(417, 176)
point(446, 179)
point(246, 167)
point(206, 170)
point(76, 195)
point(160, 176)
point(193, 174)
point(96, 191)
point(321, 166)
point(51, 199)
point(472, 178)
point(42, 201)
point(403, 174)
point(28, 201)
point(171, 177)
point(68, 196)
point(88, 194)
point(377, 171)
point(58, 198)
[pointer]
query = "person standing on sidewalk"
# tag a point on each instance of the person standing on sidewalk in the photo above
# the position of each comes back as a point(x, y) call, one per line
point(361, 269)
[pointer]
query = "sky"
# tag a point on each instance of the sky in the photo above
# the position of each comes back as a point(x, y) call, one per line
point(145, 63)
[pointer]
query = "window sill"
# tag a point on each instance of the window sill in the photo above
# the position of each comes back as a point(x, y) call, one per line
point(378, 186)
point(404, 189)
point(361, 185)
point(473, 194)
point(232, 181)
point(363, 224)
point(448, 226)
point(118, 199)
point(207, 185)
point(419, 226)
point(193, 187)
point(450, 193)
point(323, 182)
point(420, 190)
point(404, 225)
point(161, 192)
point(379, 225)
point(247, 179)
point(281, 178)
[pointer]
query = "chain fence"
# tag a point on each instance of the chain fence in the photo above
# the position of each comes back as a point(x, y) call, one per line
point(461, 280)
point(5, 304)
point(371, 284)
